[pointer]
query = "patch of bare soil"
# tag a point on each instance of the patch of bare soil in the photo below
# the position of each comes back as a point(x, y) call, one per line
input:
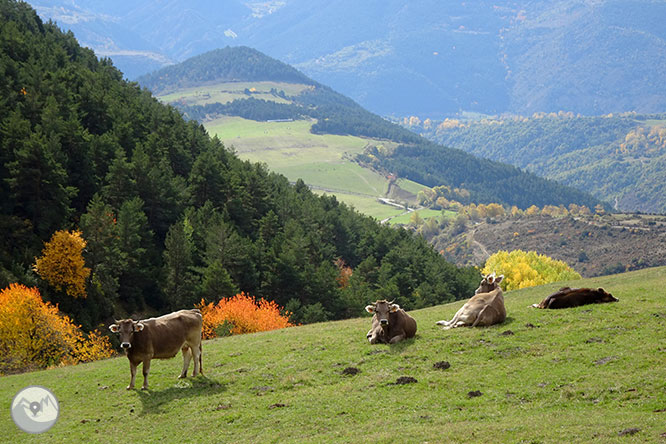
point(594, 246)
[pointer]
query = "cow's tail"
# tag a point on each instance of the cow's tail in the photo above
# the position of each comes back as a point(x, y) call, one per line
point(200, 358)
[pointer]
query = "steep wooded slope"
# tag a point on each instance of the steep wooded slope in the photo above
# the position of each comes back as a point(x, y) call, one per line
point(619, 159)
point(170, 215)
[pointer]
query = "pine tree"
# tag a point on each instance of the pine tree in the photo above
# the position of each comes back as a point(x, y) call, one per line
point(180, 281)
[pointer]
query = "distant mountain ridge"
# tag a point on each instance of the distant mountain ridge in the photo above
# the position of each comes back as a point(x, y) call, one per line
point(426, 58)
point(415, 158)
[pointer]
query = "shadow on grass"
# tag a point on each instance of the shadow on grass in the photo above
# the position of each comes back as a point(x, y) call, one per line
point(154, 400)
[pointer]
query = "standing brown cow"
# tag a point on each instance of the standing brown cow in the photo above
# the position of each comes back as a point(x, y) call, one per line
point(485, 308)
point(390, 323)
point(567, 297)
point(161, 338)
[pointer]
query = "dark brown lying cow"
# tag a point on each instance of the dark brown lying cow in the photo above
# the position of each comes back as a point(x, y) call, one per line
point(567, 297)
point(161, 338)
point(390, 323)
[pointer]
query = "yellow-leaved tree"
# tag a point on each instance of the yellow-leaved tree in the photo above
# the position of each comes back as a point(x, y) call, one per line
point(527, 269)
point(33, 334)
point(62, 264)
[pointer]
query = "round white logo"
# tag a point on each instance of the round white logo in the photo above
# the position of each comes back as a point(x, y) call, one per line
point(35, 409)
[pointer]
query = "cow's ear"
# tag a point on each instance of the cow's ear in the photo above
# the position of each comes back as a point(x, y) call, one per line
point(139, 326)
point(114, 328)
point(601, 290)
point(499, 278)
point(370, 308)
point(394, 308)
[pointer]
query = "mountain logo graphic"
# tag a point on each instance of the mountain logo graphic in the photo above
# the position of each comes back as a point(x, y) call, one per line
point(35, 409)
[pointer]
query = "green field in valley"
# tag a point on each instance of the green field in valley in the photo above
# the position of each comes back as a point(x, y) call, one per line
point(588, 374)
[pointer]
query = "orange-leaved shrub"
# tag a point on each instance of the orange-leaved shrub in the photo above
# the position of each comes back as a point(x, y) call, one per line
point(241, 314)
point(62, 264)
point(33, 334)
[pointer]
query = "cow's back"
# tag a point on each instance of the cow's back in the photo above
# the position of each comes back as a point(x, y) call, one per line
point(163, 337)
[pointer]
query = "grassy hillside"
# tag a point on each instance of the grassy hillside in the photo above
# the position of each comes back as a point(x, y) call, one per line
point(324, 162)
point(578, 375)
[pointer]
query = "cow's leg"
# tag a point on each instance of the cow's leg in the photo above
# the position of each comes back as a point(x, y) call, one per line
point(397, 338)
point(452, 322)
point(146, 369)
point(369, 335)
point(187, 355)
point(196, 354)
point(132, 375)
point(456, 325)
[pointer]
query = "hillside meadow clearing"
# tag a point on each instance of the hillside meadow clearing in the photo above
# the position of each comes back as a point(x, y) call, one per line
point(588, 374)
point(321, 161)
point(225, 92)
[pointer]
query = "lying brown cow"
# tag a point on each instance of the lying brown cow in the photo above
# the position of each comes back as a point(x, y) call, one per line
point(485, 308)
point(567, 297)
point(161, 338)
point(390, 323)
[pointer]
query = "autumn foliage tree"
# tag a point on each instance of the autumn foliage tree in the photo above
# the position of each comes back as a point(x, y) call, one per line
point(33, 334)
point(62, 265)
point(527, 269)
point(241, 314)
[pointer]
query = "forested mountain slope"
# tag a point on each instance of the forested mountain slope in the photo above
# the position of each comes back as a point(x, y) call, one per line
point(427, 58)
point(171, 216)
point(415, 158)
point(618, 158)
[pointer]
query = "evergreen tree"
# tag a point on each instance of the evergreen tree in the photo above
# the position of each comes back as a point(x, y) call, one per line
point(180, 281)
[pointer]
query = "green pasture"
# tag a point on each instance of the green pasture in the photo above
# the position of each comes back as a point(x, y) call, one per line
point(410, 185)
point(425, 213)
point(228, 91)
point(364, 204)
point(321, 161)
point(588, 374)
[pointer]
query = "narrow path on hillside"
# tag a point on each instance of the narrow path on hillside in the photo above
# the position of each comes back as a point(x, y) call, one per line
point(478, 249)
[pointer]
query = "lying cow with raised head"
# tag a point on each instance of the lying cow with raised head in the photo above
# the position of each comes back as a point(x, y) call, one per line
point(567, 297)
point(390, 323)
point(161, 338)
point(485, 308)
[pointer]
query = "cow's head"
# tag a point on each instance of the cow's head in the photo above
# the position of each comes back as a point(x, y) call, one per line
point(381, 309)
point(126, 329)
point(489, 283)
point(604, 296)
